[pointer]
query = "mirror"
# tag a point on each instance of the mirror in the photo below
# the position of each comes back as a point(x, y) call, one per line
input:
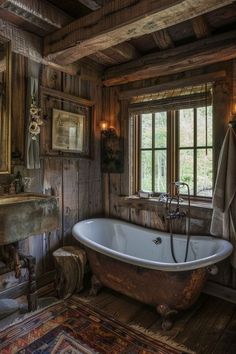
point(5, 107)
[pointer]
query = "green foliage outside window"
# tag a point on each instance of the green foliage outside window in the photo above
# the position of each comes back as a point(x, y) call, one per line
point(193, 150)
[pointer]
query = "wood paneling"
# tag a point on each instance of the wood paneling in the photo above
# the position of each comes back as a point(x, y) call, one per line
point(75, 181)
point(18, 110)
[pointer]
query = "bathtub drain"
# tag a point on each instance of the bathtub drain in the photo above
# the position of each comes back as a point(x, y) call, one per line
point(157, 241)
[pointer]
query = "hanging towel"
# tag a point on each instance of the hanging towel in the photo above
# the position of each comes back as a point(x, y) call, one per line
point(32, 146)
point(224, 198)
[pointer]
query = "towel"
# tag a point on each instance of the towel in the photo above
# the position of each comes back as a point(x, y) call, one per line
point(32, 146)
point(224, 198)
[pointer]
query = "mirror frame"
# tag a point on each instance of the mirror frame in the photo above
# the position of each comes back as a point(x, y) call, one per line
point(7, 125)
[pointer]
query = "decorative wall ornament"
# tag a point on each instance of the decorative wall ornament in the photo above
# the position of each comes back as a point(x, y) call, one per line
point(112, 152)
point(33, 124)
point(36, 121)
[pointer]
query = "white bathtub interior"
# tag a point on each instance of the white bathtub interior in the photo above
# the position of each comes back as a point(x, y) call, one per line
point(137, 242)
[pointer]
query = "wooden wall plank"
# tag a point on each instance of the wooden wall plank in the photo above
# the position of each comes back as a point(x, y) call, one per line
point(52, 185)
point(70, 198)
point(125, 124)
point(18, 106)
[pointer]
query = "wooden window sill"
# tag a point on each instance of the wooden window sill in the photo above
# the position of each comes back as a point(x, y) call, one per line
point(198, 208)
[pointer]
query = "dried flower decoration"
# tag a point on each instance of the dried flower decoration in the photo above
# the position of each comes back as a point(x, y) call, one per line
point(36, 121)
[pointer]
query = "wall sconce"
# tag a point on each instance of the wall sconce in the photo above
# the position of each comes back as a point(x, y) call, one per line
point(232, 123)
point(106, 131)
point(103, 125)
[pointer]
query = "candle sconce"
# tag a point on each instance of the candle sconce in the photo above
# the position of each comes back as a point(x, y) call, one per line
point(112, 150)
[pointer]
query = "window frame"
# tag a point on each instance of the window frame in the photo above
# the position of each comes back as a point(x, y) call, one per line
point(153, 148)
point(172, 149)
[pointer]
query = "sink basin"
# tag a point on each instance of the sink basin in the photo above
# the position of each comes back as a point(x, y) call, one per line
point(26, 214)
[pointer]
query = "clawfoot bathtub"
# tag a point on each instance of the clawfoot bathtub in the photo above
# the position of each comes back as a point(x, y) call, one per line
point(137, 262)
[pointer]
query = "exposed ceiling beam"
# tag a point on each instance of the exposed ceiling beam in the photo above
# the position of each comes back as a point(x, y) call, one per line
point(119, 21)
point(173, 84)
point(126, 51)
point(30, 46)
point(91, 4)
point(200, 27)
point(162, 39)
point(200, 53)
point(40, 13)
point(103, 58)
point(120, 53)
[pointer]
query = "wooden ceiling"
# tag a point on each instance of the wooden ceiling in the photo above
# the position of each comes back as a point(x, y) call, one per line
point(129, 39)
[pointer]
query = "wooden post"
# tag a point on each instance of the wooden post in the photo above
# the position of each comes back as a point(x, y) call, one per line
point(222, 93)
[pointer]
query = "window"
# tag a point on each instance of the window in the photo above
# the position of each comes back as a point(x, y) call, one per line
point(153, 151)
point(176, 145)
point(194, 152)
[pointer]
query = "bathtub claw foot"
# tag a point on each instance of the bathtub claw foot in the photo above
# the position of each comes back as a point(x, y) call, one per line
point(96, 286)
point(167, 315)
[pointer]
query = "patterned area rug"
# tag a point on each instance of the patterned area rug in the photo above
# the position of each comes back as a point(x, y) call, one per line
point(76, 327)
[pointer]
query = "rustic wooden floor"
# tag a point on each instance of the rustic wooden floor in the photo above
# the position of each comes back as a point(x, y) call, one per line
point(209, 327)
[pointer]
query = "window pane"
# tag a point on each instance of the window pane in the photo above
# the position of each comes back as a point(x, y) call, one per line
point(160, 170)
point(204, 172)
point(160, 130)
point(201, 126)
point(146, 170)
point(146, 131)
point(186, 124)
point(209, 126)
point(186, 168)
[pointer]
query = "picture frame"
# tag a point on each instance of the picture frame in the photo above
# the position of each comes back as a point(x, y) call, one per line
point(70, 132)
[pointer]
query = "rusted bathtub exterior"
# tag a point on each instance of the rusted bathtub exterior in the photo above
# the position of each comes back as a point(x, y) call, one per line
point(177, 290)
point(137, 262)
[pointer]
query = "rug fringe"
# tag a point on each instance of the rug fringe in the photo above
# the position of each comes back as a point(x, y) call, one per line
point(162, 338)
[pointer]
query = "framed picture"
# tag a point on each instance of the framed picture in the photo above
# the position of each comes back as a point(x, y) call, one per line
point(70, 131)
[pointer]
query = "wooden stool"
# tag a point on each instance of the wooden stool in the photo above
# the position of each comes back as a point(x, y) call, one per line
point(70, 263)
